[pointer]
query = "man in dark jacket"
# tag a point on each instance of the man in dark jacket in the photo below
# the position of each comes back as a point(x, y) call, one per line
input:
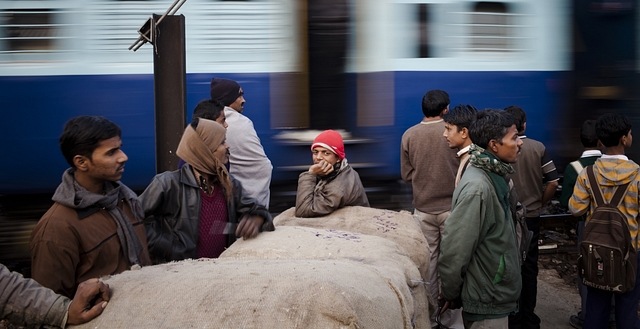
point(199, 210)
point(479, 262)
point(95, 227)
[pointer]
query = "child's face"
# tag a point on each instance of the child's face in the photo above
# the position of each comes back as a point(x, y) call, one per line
point(320, 153)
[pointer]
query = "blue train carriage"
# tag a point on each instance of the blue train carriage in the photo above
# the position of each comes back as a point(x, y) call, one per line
point(63, 58)
point(489, 54)
point(59, 59)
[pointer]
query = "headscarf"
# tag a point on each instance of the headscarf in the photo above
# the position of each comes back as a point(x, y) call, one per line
point(196, 148)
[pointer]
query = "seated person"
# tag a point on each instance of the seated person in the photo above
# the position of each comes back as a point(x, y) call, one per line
point(330, 183)
point(199, 210)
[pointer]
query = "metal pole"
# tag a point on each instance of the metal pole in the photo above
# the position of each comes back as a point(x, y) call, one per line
point(170, 89)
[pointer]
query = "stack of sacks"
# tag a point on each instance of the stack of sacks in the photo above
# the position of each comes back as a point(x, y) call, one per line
point(261, 293)
point(401, 228)
point(356, 268)
point(381, 256)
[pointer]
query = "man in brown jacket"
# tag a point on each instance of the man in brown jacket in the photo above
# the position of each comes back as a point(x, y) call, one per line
point(330, 183)
point(95, 227)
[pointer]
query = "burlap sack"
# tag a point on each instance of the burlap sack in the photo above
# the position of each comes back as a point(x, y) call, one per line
point(229, 293)
point(401, 228)
point(386, 256)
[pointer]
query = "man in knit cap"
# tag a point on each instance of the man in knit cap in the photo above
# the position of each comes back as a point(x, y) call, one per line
point(427, 162)
point(330, 183)
point(248, 162)
point(95, 227)
point(199, 210)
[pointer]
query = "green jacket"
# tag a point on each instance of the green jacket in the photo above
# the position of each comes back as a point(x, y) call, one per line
point(479, 252)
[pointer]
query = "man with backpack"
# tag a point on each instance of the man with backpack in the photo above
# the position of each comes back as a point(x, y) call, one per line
point(591, 153)
point(603, 254)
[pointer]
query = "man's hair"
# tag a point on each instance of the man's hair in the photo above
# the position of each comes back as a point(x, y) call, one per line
point(461, 116)
point(519, 115)
point(588, 135)
point(490, 124)
point(434, 102)
point(83, 134)
point(209, 109)
point(611, 127)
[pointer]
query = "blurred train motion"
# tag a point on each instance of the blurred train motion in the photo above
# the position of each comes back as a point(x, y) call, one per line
point(357, 65)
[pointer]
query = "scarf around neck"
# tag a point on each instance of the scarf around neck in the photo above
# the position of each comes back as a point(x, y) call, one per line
point(70, 194)
point(496, 170)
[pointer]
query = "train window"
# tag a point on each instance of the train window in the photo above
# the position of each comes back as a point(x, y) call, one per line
point(28, 30)
point(489, 29)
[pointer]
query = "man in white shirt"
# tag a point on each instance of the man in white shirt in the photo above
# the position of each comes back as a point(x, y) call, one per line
point(456, 130)
point(248, 162)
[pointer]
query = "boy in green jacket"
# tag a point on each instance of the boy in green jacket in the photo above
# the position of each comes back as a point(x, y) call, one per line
point(479, 262)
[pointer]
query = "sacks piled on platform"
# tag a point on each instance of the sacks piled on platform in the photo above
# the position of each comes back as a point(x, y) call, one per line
point(356, 268)
point(401, 228)
point(232, 293)
point(384, 257)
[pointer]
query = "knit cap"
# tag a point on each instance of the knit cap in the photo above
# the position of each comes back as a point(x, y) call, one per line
point(225, 90)
point(330, 140)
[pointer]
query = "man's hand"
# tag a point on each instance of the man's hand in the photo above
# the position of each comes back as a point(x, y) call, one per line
point(448, 304)
point(90, 300)
point(321, 168)
point(249, 226)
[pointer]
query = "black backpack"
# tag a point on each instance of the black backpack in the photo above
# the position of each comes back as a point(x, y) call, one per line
point(607, 258)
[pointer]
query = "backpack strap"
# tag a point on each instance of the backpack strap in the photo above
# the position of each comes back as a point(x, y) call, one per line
point(577, 165)
point(597, 193)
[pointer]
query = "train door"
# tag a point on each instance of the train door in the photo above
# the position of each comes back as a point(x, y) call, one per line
point(605, 61)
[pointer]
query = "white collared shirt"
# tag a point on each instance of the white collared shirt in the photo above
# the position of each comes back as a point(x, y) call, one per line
point(617, 156)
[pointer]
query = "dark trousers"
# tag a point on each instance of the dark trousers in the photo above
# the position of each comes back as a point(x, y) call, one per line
point(526, 318)
point(582, 289)
point(599, 307)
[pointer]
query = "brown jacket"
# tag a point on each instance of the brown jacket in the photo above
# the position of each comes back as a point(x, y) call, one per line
point(67, 250)
point(343, 190)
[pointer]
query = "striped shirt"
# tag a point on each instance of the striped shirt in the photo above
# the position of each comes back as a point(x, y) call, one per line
point(610, 173)
point(534, 168)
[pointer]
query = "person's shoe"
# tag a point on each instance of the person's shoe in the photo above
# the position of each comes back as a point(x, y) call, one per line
point(575, 322)
point(612, 325)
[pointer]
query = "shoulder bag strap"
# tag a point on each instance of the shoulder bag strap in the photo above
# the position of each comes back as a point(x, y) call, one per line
point(617, 197)
point(595, 189)
point(464, 168)
point(577, 166)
